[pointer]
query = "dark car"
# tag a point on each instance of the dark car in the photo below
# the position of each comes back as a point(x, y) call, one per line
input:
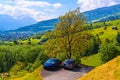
point(52, 63)
point(69, 64)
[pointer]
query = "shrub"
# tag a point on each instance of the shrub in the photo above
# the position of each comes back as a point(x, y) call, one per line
point(118, 38)
point(11, 55)
point(17, 68)
point(32, 66)
point(108, 52)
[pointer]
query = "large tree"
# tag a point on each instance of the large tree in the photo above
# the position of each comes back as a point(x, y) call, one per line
point(69, 38)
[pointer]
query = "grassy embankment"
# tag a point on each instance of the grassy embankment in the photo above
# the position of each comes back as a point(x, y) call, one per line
point(107, 71)
point(32, 76)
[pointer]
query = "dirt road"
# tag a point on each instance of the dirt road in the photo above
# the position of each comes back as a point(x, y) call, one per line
point(65, 74)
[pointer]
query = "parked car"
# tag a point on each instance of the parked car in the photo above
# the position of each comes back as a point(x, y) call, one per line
point(69, 64)
point(52, 63)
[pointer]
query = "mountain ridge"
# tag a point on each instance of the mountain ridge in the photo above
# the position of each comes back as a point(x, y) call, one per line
point(102, 12)
point(91, 15)
point(39, 26)
point(46, 25)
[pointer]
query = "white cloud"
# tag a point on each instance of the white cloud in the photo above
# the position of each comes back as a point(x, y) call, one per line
point(57, 5)
point(36, 9)
point(25, 3)
point(86, 5)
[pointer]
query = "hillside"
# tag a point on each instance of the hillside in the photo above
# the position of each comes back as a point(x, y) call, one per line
point(108, 18)
point(108, 71)
point(30, 49)
point(24, 32)
point(102, 12)
point(9, 23)
point(38, 27)
point(49, 24)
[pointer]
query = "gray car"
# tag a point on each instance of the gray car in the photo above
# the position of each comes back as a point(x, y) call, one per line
point(69, 64)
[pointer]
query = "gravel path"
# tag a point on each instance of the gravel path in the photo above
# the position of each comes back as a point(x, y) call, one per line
point(62, 74)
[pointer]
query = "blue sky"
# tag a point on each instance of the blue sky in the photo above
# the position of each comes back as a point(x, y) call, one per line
point(48, 9)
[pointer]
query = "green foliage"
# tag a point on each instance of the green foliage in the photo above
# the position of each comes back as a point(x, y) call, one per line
point(15, 42)
point(69, 38)
point(44, 40)
point(11, 55)
point(105, 27)
point(32, 66)
point(93, 46)
point(118, 38)
point(38, 35)
point(33, 76)
point(16, 70)
point(108, 51)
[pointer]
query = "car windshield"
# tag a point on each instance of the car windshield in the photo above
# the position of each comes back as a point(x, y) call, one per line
point(69, 61)
point(51, 61)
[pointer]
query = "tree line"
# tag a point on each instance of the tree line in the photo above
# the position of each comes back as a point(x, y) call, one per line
point(25, 54)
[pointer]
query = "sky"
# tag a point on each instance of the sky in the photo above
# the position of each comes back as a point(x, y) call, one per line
point(48, 9)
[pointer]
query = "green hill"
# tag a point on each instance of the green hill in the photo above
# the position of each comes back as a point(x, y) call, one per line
point(108, 18)
point(41, 26)
point(102, 12)
point(91, 15)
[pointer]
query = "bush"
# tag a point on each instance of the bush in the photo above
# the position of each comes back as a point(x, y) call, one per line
point(17, 68)
point(108, 52)
point(118, 38)
point(93, 46)
point(11, 55)
point(32, 66)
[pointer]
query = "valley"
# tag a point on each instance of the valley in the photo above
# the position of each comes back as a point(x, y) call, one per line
point(46, 25)
point(91, 38)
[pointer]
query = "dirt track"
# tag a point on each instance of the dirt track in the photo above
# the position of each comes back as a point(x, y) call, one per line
point(62, 74)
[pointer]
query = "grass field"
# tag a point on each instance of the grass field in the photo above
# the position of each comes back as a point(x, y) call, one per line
point(105, 34)
point(93, 60)
point(109, 33)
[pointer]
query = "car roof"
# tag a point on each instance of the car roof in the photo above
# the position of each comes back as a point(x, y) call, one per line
point(69, 60)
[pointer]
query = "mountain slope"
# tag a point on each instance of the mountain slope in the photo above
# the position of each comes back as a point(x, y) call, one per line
point(101, 12)
point(42, 26)
point(108, 18)
point(91, 15)
point(8, 23)
point(108, 71)
point(39, 27)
